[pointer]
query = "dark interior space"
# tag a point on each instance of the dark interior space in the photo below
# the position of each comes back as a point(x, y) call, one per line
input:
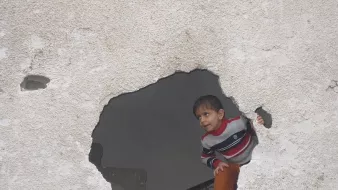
point(150, 139)
point(266, 116)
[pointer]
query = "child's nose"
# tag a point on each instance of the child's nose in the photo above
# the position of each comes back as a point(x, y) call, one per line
point(202, 120)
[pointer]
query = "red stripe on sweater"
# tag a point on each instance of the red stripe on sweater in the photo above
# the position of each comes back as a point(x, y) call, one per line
point(207, 155)
point(238, 148)
point(234, 119)
point(216, 162)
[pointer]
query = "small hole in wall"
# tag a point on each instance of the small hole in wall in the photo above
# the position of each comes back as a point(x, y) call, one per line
point(34, 82)
point(265, 116)
point(150, 140)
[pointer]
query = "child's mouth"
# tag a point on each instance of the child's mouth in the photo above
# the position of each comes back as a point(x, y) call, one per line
point(206, 126)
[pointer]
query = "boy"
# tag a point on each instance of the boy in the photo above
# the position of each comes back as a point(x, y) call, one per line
point(234, 139)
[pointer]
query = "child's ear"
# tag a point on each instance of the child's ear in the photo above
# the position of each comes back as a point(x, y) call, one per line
point(221, 114)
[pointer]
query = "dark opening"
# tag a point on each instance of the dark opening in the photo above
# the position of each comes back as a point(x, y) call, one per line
point(34, 82)
point(266, 117)
point(149, 139)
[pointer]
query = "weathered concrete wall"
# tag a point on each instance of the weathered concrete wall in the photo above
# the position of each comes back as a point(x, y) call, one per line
point(280, 54)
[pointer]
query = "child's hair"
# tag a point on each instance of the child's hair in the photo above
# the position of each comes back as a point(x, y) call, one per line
point(209, 101)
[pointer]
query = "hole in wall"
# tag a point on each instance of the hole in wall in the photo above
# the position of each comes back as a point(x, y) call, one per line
point(34, 82)
point(149, 139)
point(265, 116)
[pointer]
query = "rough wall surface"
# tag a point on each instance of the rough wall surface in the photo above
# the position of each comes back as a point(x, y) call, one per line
point(280, 53)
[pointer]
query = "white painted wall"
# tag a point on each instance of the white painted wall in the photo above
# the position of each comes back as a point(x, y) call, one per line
point(280, 53)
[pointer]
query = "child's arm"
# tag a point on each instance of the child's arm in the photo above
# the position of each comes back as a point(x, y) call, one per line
point(208, 158)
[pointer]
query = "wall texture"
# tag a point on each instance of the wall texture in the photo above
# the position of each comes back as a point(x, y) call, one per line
point(280, 53)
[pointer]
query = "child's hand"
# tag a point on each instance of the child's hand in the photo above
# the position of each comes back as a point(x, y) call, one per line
point(220, 167)
point(260, 120)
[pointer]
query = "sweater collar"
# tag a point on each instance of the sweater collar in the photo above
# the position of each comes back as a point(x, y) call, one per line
point(221, 129)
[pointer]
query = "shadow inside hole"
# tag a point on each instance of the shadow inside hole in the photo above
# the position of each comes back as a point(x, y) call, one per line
point(265, 116)
point(150, 139)
point(121, 178)
point(34, 82)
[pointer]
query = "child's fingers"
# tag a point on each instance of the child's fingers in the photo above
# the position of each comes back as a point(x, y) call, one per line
point(260, 120)
point(216, 172)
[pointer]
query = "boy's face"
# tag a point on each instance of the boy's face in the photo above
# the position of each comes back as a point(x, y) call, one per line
point(210, 119)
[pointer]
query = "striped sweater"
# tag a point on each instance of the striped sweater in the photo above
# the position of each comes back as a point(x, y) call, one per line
point(234, 140)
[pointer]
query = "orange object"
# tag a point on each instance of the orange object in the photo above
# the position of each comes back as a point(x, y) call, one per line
point(227, 179)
